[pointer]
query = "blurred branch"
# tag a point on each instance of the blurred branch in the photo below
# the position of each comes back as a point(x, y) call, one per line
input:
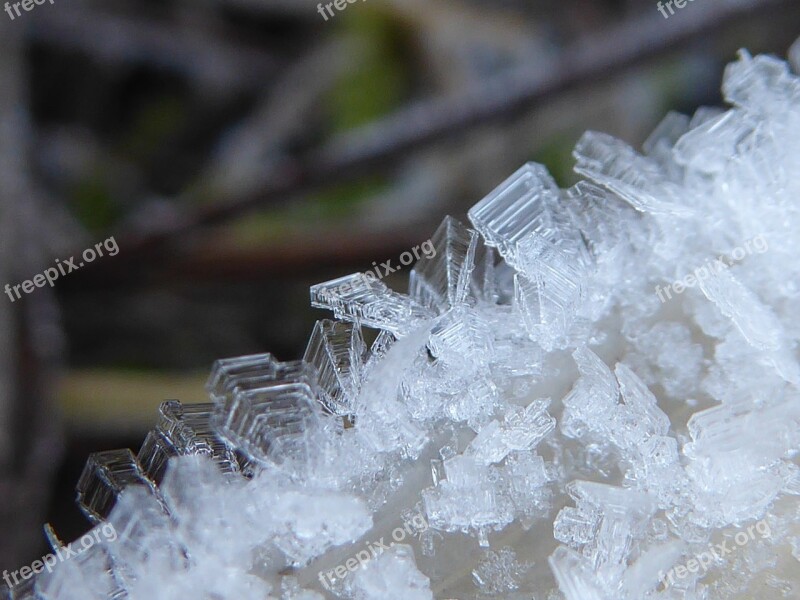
point(298, 8)
point(30, 442)
point(378, 147)
point(209, 56)
point(246, 157)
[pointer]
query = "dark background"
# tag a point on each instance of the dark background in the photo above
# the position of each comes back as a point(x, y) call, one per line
point(241, 150)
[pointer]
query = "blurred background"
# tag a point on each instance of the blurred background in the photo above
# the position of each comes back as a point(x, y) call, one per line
point(241, 150)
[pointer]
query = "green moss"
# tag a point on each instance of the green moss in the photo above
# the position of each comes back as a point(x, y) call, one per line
point(556, 154)
point(378, 76)
point(93, 204)
point(343, 201)
point(334, 204)
point(154, 124)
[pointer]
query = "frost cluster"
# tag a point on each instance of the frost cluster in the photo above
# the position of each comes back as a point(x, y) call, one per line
point(564, 432)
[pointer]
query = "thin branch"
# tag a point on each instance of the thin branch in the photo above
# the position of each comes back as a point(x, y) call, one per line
point(378, 147)
point(207, 57)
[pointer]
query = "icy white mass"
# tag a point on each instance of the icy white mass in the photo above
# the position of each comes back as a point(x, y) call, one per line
point(563, 433)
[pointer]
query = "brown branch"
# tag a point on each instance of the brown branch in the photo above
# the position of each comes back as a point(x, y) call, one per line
point(211, 56)
point(378, 147)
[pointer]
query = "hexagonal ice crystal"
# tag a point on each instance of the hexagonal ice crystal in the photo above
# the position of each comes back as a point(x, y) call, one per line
point(523, 204)
point(338, 352)
point(183, 430)
point(104, 477)
point(442, 281)
point(266, 408)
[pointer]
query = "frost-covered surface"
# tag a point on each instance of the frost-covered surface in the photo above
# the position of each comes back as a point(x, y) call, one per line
point(564, 432)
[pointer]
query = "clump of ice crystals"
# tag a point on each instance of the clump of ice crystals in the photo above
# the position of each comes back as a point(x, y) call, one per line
point(560, 431)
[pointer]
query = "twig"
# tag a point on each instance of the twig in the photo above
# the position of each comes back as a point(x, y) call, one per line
point(378, 147)
point(207, 57)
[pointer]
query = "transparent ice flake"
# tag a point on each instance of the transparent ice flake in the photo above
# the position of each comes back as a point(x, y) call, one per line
point(467, 500)
point(523, 204)
point(88, 576)
point(393, 574)
point(462, 338)
point(362, 299)
point(226, 373)
point(266, 408)
point(641, 401)
point(639, 180)
point(757, 323)
point(441, 281)
point(183, 430)
point(549, 293)
point(142, 532)
point(104, 477)
point(666, 133)
point(576, 579)
point(760, 83)
point(521, 429)
point(338, 352)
